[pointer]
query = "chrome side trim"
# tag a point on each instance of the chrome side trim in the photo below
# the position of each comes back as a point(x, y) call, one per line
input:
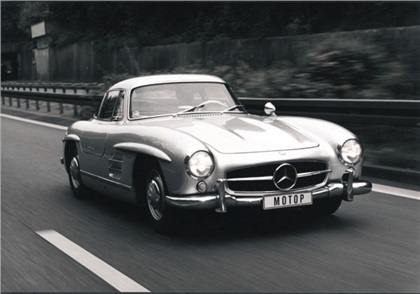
point(108, 181)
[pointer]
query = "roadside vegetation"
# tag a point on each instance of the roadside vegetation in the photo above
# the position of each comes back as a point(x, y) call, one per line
point(146, 23)
point(336, 67)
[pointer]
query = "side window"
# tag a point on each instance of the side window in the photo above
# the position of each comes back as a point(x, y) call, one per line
point(112, 105)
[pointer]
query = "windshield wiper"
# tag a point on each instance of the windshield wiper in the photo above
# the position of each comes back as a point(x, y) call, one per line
point(194, 108)
point(233, 107)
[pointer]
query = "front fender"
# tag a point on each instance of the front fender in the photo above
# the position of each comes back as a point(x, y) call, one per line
point(144, 149)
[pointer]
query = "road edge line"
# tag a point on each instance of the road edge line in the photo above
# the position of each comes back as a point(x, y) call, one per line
point(394, 191)
point(35, 122)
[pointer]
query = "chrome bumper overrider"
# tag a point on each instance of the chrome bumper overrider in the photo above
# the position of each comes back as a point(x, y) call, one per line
point(220, 201)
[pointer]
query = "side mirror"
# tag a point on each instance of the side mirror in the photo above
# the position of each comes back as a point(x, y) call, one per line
point(270, 109)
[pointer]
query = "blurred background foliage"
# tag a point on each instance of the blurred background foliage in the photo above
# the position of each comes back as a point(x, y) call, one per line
point(336, 67)
point(145, 23)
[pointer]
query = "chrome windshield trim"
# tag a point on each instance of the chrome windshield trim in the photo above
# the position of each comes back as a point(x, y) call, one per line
point(149, 116)
point(178, 114)
point(234, 107)
point(197, 113)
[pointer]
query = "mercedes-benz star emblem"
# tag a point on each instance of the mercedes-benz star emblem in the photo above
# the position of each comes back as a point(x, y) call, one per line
point(285, 177)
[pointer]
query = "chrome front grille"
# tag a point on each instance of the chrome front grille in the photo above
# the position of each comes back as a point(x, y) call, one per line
point(260, 178)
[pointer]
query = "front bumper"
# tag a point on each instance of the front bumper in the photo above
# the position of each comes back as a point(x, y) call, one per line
point(344, 190)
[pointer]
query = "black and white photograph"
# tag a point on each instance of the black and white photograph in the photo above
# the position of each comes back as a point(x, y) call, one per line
point(210, 146)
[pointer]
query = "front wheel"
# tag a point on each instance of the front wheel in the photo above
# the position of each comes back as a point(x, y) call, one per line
point(160, 214)
point(78, 188)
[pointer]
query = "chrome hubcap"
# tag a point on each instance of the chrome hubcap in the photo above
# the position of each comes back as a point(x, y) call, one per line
point(75, 173)
point(154, 200)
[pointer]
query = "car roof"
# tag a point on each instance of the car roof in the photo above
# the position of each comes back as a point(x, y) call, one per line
point(164, 79)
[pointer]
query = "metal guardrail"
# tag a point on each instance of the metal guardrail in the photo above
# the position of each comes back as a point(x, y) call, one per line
point(365, 111)
point(69, 88)
point(63, 93)
point(76, 99)
point(369, 111)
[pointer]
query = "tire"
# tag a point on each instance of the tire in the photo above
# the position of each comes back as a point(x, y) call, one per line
point(324, 207)
point(160, 215)
point(78, 188)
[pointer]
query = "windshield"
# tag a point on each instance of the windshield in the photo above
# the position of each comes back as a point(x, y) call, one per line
point(179, 98)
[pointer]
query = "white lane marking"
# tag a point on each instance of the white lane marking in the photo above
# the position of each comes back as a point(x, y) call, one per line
point(110, 275)
point(34, 122)
point(396, 191)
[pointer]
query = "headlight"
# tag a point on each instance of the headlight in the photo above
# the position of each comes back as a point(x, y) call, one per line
point(200, 164)
point(351, 151)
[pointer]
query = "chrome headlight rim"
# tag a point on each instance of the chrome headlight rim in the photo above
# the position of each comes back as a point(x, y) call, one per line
point(345, 159)
point(194, 174)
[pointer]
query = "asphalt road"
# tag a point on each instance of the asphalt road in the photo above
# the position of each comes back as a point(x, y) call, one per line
point(369, 245)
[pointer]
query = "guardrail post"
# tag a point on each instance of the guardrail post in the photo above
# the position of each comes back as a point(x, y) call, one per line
point(37, 104)
point(3, 101)
point(48, 106)
point(61, 108)
point(18, 102)
point(27, 103)
point(10, 101)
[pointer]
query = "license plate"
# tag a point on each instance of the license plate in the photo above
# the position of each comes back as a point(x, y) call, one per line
point(287, 200)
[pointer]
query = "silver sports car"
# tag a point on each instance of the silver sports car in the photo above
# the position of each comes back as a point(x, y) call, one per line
point(185, 141)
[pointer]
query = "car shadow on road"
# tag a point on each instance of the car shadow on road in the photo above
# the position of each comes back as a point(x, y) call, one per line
point(207, 226)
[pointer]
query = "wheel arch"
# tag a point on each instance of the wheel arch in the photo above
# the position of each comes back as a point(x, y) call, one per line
point(143, 164)
point(69, 146)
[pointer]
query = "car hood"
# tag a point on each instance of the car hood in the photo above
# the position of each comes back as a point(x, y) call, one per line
point(243, 134)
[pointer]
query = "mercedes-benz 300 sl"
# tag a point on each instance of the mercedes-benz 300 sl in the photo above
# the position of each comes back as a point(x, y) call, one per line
point(187, 142)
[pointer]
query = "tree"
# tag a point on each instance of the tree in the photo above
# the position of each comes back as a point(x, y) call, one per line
point(32, 13)
point(156, 22)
